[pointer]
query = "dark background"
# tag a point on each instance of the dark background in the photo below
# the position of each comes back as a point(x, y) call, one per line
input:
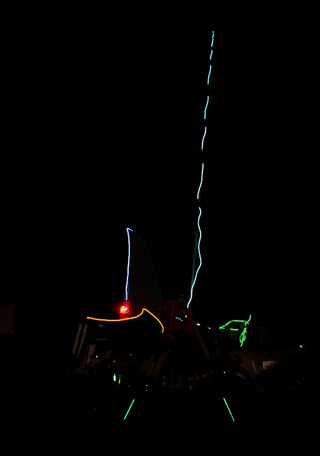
point(102, 129)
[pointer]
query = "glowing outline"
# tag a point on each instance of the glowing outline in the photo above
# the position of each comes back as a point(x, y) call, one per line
point(243, 334)
point(126, 292)
point(129, 318)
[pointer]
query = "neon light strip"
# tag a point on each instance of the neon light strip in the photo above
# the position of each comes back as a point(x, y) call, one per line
point(126, 292)
point(129, 318)
point(200, 264)
point(228, 409)
point(125, 416)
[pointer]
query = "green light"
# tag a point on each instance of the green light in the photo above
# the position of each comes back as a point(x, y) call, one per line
point(225, 401)
point(114, 377)
point(125, 416)
point(243, 334)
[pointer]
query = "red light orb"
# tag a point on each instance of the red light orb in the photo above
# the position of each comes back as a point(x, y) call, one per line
point(125, 309)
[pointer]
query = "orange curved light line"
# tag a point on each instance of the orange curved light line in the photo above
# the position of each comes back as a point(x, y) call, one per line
point(129, 318)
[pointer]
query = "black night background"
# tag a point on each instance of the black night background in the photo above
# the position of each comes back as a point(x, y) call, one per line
point(102, 128)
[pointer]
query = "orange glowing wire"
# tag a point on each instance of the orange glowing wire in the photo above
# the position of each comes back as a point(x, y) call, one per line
point(129, 318)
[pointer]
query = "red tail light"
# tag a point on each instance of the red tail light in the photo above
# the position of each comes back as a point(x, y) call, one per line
point(125, 309)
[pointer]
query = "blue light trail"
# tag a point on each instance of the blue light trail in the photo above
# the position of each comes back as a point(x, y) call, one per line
point(212, 39)
point(204, 135)
point(199, 232)
point(205, 109)
point(126, 292)
point(208, 80)
point(200, 259)
point(201, 182)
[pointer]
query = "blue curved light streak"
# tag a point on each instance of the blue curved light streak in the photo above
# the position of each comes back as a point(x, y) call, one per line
point(212, 39)
point(204, 135)
point(205, 109)
point(200, 259)
point(208, 80)
point(201, 182)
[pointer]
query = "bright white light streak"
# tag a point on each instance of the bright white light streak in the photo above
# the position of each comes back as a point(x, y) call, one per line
point(204, 135)
point(126, 292)
point(200, 259)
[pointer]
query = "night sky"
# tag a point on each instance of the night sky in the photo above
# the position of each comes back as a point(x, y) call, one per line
point(103, 128)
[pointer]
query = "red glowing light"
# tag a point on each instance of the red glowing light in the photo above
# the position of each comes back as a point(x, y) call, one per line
point(124, 309)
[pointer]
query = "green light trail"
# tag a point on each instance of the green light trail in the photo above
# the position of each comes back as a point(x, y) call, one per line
point(125, 416)
point(225, 401)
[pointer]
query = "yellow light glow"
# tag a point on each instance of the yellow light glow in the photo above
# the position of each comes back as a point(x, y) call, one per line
point(129, 318)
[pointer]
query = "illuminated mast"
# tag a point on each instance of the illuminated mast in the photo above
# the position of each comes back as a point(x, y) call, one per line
point(198, 235)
